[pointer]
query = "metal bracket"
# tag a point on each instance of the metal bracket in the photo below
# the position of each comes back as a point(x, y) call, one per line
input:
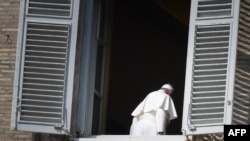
point(58, 125)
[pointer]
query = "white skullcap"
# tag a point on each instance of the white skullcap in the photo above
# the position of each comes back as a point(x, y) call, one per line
point(167, 86)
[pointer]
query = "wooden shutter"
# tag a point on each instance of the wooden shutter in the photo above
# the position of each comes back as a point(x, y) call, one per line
point(42, 98)
point(241, 108)
point(210, 66)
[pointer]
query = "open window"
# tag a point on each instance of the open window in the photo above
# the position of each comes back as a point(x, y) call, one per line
point(146, 48)
point(143, 47)
point(119, 51)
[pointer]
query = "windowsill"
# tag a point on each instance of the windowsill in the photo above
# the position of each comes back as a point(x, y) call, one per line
point(132, 138)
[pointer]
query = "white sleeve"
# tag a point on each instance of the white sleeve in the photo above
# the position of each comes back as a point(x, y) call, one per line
point(134, 121)
point(160, 120)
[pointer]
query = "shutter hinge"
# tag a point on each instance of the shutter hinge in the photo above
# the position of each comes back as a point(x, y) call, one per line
point(184, 132)
point(18, 103)
point(191, 127)
point(58, 125)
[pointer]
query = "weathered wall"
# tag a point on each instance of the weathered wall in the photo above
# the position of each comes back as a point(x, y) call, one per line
point(9, 14)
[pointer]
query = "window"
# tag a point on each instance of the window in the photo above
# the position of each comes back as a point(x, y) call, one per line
point(115, 55)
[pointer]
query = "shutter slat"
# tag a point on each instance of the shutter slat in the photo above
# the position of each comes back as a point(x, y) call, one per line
point(215, 5)
point(40, 68)
point(40, 84)
point(241, 94)
point(214, 8)
point(208, 121)
point(46, 8)
point(205, 103)
point(30, 106)
point(49, 74)
point(40, 35)
point(46, 41)
point(205, 121)
point(223, 32)
point(208, 114)
point(222, 91)
point(43, 79)
point(53, 113)
point(198, 97)
point(39, 95)
point(218, 64)
point(44, 3)
point(211, 70)
point(211, 59)
point(43, 46)
point(41, 90)
point(207, 87)
point(209, 75)
point(211, 48)
point(209, 81)
point(42, 101)
point(45, 120)
point(47, 52)
point(242, 112)
point(240, 117)
point(221, 42)
point(207, 108)
point(222, 27)
point(214, 37)
point(39, 117)
point(241, 103)
point(49, 9)
point(49, 31)
point(214, 11)
point(50, 63)
point(44, 57)
point(238, 121)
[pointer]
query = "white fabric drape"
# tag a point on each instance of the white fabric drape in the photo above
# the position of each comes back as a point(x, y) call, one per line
point(153, 114)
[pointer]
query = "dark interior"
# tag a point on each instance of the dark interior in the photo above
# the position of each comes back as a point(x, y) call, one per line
point(148, 49)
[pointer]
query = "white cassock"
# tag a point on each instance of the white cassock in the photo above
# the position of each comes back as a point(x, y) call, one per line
point(153, 114)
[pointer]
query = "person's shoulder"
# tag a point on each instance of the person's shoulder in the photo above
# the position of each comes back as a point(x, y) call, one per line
point(154, 92)
point(157, 92)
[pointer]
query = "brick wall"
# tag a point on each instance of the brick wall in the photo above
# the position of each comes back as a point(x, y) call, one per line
point(9, 14)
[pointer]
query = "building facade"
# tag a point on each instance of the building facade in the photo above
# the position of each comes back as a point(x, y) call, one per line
point(9, 13)
point(55, 68)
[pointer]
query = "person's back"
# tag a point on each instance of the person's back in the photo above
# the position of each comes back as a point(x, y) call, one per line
point(152, 115)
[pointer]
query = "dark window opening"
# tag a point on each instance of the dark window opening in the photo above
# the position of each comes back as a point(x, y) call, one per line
point(148, 49)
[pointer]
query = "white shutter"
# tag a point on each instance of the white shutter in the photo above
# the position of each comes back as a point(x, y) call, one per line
point(241, 108)
point(210, 66)
point(43, 91)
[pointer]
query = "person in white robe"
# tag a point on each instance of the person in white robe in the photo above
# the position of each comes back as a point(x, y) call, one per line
point(154, 113)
